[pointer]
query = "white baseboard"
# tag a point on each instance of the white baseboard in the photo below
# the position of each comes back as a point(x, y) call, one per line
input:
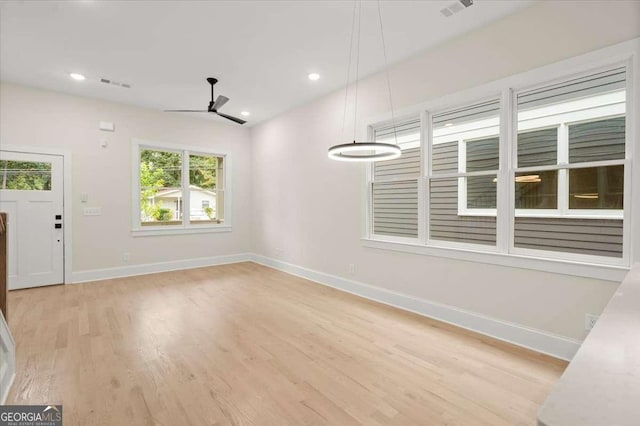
point(150, 268)
point(537, 340)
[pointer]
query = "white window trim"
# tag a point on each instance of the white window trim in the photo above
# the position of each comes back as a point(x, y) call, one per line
point(613, 109)
point(406, 142)
point(463, 210)
point(551, 213)
point(515, 260)
point(137, 230)
point(623, 54)
point(611, 105)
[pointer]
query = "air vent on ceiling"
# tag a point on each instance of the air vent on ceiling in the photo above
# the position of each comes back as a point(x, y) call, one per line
point(456, 7)
point(115, 83)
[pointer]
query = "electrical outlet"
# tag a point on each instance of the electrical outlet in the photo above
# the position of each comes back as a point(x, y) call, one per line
point(590, 321)
point(351, 268)
point(126, 257)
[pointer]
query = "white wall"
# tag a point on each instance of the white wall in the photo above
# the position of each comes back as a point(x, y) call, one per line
point(38, 118)
point(310, 207)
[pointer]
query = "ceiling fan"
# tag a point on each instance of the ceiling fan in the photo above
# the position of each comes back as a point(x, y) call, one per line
point(213, 105)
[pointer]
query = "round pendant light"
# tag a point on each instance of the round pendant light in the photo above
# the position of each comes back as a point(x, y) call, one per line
point(364, 151)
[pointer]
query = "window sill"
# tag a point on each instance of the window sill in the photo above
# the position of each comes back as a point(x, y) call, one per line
point(605, 272)
point(149, 231)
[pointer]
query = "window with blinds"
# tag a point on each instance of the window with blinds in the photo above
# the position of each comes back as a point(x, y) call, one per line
point(569, 176)
point(394, 189)
point(463, 179)
point(558, 191)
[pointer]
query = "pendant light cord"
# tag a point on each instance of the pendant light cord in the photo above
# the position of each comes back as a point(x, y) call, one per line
point(364, 151)
point(386, 67)
point(355, 103)
point(346, 88)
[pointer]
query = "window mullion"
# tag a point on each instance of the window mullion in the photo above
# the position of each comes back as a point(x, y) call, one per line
point(136, 202)
point(369, 178)
point(563, 175)
point(429, 162)
point(507, 143)
point(186, 195)
point(631, 201)
point(423, 183)
point(584, 165)
point(462, 180)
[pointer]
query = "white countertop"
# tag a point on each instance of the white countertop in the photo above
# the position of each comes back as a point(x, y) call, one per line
point(601, 385)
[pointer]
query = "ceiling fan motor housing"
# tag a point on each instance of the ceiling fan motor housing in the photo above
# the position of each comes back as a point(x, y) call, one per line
point(212, 81)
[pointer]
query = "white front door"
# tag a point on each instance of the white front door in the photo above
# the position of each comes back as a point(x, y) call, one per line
point(31, 193)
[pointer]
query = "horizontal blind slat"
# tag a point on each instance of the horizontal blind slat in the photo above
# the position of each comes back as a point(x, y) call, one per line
point(606, 81)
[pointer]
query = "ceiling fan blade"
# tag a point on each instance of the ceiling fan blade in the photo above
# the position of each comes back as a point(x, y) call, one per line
point(229, 117)
point(186, 110)
point(220, 100)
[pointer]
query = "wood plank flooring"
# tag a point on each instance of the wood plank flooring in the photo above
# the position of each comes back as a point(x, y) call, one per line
point(245, 344)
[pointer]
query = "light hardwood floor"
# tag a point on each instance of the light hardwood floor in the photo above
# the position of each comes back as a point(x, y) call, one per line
point(245, 344)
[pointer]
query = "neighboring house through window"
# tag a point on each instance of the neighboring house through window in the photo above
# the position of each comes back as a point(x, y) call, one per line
point(170, 180)
point(569, 171)
point(464, 169)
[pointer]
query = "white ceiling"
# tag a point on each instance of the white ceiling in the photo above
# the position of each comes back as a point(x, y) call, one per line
point(261, 51)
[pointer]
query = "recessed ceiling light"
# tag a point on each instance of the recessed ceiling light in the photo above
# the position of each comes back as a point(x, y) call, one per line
point(245, 113)
point(76, 76)
point(314, 76)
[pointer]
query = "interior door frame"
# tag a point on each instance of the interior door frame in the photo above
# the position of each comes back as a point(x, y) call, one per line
point(67, 205)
